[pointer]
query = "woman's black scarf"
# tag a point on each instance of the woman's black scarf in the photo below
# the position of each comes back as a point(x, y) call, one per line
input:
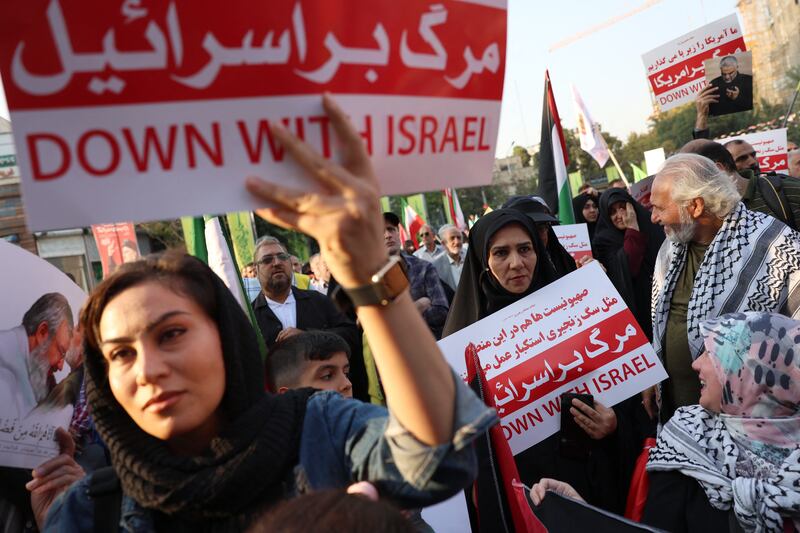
point(608, 245)
point(479, 294)
point(578, 204)
point(246, 465)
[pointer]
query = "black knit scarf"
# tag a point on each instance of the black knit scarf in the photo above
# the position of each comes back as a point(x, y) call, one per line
point(244, 468)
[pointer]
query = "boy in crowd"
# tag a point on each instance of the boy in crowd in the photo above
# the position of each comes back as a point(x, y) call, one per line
point(317, 359)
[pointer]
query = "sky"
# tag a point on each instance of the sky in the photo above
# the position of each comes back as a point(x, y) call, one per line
point(606, 66)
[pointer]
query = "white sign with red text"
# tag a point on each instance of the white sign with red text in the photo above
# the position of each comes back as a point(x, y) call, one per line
point(575, 240)
point(641, 191)
point(574, 335)
point(168, 104)
point(771, 148)
point(675, 69)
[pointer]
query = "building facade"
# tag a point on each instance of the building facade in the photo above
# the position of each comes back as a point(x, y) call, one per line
point(772, 32)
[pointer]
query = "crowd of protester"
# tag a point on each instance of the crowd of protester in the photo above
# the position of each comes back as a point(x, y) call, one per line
point(188, 429)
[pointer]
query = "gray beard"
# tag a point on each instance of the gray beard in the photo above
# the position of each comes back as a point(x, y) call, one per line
point(39, 370)
point(278, 287)
point(683, 232)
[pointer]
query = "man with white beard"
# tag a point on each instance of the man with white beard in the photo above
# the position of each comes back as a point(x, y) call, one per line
point(32, 352)
point(719, 257)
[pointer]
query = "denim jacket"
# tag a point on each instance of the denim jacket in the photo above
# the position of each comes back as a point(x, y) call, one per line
point(343, 441)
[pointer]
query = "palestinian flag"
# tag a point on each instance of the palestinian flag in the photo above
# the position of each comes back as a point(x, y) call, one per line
point(412, 221)
point(553, 160)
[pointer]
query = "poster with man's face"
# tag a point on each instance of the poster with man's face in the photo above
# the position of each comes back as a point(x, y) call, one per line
point(732, 75)
point(39, 347)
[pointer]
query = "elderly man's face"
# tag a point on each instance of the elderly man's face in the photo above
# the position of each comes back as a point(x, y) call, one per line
point(453, 241)
point(744, 155)
point(729, 73)
point(426, 236)
point(297, 266)
point(53, 349)
point(678, 225)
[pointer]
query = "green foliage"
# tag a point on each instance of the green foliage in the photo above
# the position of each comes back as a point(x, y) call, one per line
point(164, 234)
point(523, 154)
point(298, 244)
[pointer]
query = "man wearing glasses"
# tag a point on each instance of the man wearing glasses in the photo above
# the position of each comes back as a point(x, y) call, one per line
point(32, 352)
point(283, 310)
point(430, 249)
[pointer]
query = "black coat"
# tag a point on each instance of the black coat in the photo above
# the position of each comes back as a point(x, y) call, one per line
point(678, 503)
point(314, 311)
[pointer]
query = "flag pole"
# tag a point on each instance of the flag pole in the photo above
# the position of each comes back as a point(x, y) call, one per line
point(619, 168)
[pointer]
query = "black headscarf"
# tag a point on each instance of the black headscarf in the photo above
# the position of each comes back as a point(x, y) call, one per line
point(608, 245)
point(479, 294)
point(578, 204)
point(535, 208)
point(245, 466)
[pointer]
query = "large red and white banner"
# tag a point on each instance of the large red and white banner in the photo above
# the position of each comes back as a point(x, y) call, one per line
point(574, 335)
point(116, 244)
point(771, 148)
point(675, 69)
point(167, 103)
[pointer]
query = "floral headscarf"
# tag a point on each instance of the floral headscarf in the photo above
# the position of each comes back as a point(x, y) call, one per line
point(747, 457)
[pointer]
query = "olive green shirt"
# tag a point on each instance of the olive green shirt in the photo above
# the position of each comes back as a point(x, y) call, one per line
point(683, 386)
point(754, 201)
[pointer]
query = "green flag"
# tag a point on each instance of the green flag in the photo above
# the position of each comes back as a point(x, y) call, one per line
point(638, 173)
point(242, 237)
point(417, 202)
point(575, 182)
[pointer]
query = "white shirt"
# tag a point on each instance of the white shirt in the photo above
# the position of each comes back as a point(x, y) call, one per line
point(423, 253)
point(286, 311)
point(17, 395)
point(456, 268)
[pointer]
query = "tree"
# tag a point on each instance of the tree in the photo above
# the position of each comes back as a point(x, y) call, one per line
point(164, 234)
point(523, 154)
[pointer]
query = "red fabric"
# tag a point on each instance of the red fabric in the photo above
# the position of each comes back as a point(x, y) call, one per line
point(521, 512)
point(635, 245)
point(640, 484)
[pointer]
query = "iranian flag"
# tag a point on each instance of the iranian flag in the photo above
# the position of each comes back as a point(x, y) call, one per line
point(453, 209)
point(412, 221)
point(553, 160)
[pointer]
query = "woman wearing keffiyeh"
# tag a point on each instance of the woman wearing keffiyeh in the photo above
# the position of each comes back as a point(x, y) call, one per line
point(733, 462)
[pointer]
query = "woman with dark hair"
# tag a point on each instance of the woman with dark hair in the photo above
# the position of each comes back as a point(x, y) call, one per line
point(504, 265)
point(175, 381)
point(732, 463)
point(626, 242)
point(585, 207)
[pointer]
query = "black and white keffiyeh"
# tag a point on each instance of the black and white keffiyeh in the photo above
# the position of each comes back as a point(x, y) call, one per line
point(698, 444)
point(753, 264)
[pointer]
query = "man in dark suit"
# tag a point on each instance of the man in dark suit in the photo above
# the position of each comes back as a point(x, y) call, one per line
point(734, 89)
point(282, 310)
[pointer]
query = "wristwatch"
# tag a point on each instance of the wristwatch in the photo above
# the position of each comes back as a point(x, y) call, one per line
point(385, 285)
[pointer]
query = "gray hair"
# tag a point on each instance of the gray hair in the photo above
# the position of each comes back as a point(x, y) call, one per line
point(694, 176)
point(266, 240)
point(729, 61)
point(444, 229)
point(51, 308)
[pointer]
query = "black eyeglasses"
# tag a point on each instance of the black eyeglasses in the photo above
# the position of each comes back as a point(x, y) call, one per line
point(268, 259)
point(424, 234)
